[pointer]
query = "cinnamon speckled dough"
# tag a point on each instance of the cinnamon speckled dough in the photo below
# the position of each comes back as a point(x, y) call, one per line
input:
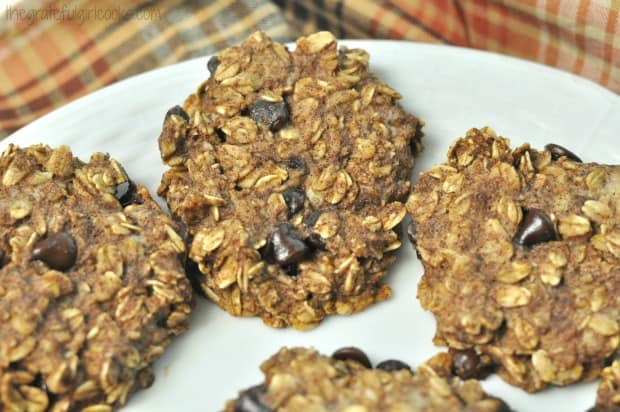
point(608, 394)
point(301, 379)
point(521, 255)
point(92, 285)
point(290, 171)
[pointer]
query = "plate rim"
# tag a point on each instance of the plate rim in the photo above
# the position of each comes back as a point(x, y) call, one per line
point(581, 86)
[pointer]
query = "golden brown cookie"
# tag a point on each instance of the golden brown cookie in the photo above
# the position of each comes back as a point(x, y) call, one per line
point(521, 255)
point(92, 285)
point(608, 394)
point(301, 379)
point(289, 170)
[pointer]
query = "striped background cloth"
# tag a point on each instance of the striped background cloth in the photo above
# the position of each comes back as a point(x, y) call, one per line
point(54, 52)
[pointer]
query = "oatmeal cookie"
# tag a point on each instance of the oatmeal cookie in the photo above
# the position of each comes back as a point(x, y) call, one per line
point(92, 285)
point(301, 379)
point(290, 171)
point(608, 395)
point(521, 255)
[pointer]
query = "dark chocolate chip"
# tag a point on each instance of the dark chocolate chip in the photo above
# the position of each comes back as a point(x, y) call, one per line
point(536, 227)
point(312, 218)
point(127, 193)
point(252, 400)
point(177, 111)
point(121, 190)
point(271, 114)
point(353, 354)
point(58, 251)
point(291, 270)
point(412, 233)
point(294, 198)
point(558, 151)
point(1, 258)
point(221, 135)
point(315, 241)
point(296, 163)
point(284, 246)
point(392, 365)
point(466, 364)
point(212, 64)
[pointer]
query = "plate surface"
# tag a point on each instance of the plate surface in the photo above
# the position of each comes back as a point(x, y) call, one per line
point(452, 89)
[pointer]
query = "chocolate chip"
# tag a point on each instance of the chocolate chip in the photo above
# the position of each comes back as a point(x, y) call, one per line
point(296, 163)
point(127, 193)
point(177, 111)
point(271, 114)
point(412, 232)
point(284, 246)
point(536, 227)
point(294, 199)
point(291, 270)
point(221, 135)
point(353, 354)
point(1, 258)
point(58, 251)
point(558, 151)
point(312, 218)
point(212, 64)
point(466, 364)
point(121, 190)
point(392, 365)
point(315, 241)
point(252, 400)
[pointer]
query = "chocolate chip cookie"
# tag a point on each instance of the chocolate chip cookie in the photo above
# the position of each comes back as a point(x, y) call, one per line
point(290, 171)
point(92, 285)
point(301, 379)
point(608, 396)
point(521, 255)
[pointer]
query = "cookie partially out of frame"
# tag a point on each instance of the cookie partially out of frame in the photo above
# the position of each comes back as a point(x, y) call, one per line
point(301, 379)
point(608, 394)
point(92, 285)
point(521, 255)
point(290, 171)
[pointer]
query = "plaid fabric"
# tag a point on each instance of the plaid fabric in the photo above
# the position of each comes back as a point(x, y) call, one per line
point(54, 52)
point(581, 36)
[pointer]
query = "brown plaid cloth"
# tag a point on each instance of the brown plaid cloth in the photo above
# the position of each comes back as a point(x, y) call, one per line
point(54, 52)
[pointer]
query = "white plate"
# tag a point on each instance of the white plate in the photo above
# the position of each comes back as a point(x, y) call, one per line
point(452, 89)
